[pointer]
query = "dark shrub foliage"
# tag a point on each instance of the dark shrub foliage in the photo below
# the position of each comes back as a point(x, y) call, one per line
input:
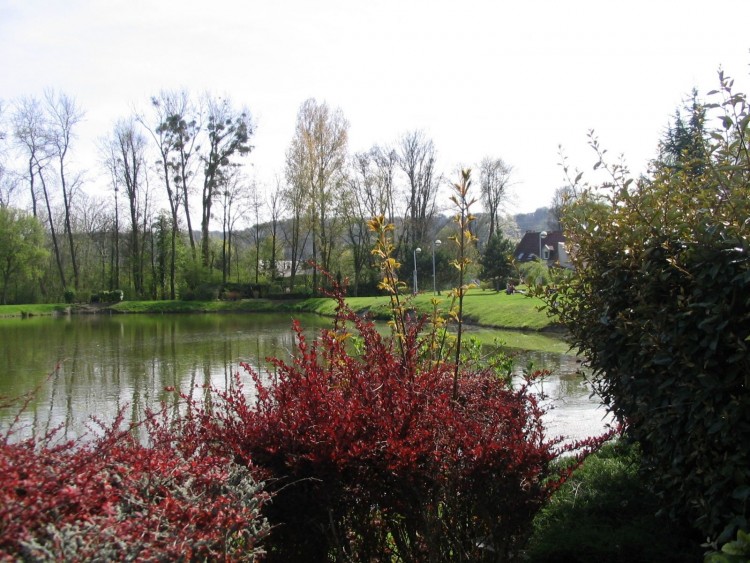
point(660, 305)
point(233, 291)
point(606, 512)
point(202, 292)
point(114, 296)
point(69, 295)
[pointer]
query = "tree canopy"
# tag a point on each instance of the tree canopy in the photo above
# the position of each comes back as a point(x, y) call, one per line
point(22, 251)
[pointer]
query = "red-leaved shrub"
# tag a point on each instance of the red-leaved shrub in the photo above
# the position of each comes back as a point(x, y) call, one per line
point(370, 458)
point(114, 499)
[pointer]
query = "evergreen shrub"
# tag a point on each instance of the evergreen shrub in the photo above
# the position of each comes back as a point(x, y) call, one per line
point(605, 511)
point(660, 306)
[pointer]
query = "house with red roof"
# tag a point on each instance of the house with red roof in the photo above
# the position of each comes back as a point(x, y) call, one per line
point(550, 245)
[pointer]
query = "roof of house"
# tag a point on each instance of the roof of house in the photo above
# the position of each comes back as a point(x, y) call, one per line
point(528, 248)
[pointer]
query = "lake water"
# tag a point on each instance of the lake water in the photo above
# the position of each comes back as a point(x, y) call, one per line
point(82, 365)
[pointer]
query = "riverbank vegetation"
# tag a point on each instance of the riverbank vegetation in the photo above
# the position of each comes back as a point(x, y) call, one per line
point(659, 303)
point(606, 512)
point(485, 308)
point(481, 308)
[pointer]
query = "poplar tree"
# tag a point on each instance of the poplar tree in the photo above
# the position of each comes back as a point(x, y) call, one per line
point(316, 160)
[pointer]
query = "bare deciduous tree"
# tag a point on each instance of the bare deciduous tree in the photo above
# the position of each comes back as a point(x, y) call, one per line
point(174, 130)
point(8, 182)
point(29, 135)
point(416, 154)
point(274, 206)
point(63, 115)
point(562, 196)
point(294, 197)
point(91, 222)
point(494, 178)
point(364, 198)
point(125, 156)
point(380, 190)
point(234, 204)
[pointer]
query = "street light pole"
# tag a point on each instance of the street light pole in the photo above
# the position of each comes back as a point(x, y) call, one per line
point(415, 268)
point(438, 243)
point(541, 236)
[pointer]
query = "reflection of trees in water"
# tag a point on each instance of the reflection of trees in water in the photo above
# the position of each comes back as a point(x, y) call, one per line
point(572, 411)
point(107, 363)
point(565, 380)
point(133, 362)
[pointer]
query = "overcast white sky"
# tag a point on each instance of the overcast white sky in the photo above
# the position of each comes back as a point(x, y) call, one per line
point(481, 78)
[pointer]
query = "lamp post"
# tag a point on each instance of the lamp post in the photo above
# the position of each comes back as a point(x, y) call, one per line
point(541, 236)
point(436, 243)
point(415, 268)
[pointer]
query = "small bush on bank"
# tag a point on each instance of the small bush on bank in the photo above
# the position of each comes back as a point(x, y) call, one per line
point(69, 295)
point(203, 292)
point(606, 512)
point(535, 274)
point(83, 296)
point(234, 291)
point(114, 296)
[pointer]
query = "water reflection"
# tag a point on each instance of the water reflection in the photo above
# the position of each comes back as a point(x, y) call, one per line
point(573, 411)
point(105, 363)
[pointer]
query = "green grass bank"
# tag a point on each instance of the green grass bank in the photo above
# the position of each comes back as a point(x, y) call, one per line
point(485, 312)
point(481, 308)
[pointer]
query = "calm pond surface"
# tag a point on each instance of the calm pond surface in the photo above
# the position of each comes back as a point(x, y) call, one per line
point(93, 365)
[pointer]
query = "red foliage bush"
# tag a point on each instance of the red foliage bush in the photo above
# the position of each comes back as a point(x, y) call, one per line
point(114, 499)
point(370, 457)
point(366, 448)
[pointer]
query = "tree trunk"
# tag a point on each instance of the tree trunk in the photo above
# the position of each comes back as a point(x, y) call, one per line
point(53, 234)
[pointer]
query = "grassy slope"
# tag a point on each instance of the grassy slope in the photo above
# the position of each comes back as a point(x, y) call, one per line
point(481, 308)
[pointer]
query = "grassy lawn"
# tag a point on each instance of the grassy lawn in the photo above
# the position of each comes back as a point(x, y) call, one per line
point(483, 310)
point(157, 307)
point(36, 309)
point(518, 311)
point(521, 340)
